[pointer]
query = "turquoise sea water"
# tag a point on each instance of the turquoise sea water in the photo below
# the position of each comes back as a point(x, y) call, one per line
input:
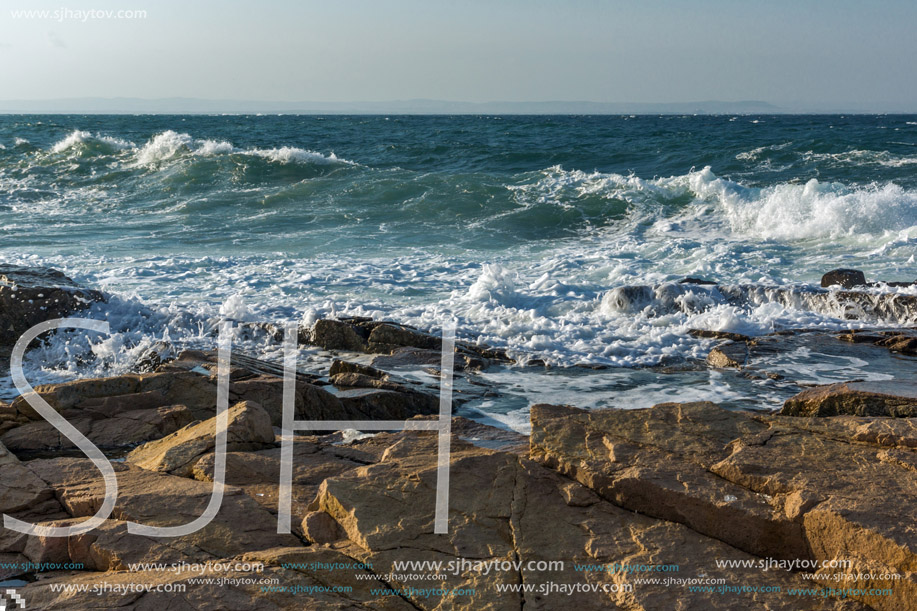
point(517, 227)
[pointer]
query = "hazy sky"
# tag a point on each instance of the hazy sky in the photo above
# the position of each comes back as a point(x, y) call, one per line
point(798, 52)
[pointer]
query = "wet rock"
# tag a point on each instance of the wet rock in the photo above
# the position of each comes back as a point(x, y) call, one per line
point(732, 354)
point(359, 380)
point(337, 335)
point(896, 398)
point(700, 281)
point(249, 428)
point(846, 278)
point(339, 366)
point(30, 295)
point(463, 360)
point(387, 337)
point(708, 334)
point(903, 341)
point(378, 404)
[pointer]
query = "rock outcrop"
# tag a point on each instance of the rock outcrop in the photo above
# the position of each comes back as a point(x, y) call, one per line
point(896, 398)
point(388, 338)
point(30, 295)
point(681, 486)
point(248, 428)
point(768, 485)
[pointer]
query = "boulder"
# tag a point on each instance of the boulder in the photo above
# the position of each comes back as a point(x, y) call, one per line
point(337, 335)
point(897, 398)
point(249, 428)
point(339, 366)
point(729, 355)
point(319, 527)
point(846, 278)
point(30, 295)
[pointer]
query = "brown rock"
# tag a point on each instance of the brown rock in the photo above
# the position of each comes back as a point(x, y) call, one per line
point(729, 355)
point(896, 398)
point(23, 496)
point(386, 337)
point(249, 428)
point(232, 587)
point(507, 509)
point(337, 335)
point(359, 380)
point(339, 366)
point(157, 499)
point(258, 473)
point(319, 527)
point(709, 334)
point(658, 462)
point(377, 404)
point(766, 484)
point(122, 429)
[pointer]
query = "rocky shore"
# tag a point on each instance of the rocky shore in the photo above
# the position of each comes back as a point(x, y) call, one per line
point(680, 506)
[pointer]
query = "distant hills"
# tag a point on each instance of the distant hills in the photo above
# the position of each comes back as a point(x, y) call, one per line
point(420, 107)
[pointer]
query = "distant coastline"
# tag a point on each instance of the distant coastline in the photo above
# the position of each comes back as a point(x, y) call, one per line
point(177, 105)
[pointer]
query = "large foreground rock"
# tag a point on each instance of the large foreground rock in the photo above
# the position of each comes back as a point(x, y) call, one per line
point(897, 398)
point(507, 509)
point(783, 487)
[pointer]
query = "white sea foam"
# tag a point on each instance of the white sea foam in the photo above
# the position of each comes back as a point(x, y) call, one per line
point(163, 146)
point(78, 137)
point(290, 154)
point(170, 144)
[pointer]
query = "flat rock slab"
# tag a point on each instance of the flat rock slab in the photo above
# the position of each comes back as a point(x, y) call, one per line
point(308, 588)
point(896, 398)
point(504, 508)
point(157, 499)
point(775, 486)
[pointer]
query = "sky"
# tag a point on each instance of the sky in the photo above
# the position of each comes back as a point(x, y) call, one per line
point(804, 54)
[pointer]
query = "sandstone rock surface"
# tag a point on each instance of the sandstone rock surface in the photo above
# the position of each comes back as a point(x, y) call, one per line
point(249, 428)
point(896, 398)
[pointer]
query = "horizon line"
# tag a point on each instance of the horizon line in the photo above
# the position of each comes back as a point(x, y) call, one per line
point(424, 106)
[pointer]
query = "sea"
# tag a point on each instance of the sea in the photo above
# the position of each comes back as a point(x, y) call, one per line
point(523, 230)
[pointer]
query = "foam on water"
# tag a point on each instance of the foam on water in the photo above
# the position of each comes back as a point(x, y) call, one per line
point(81, 140)
point(188, 229)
